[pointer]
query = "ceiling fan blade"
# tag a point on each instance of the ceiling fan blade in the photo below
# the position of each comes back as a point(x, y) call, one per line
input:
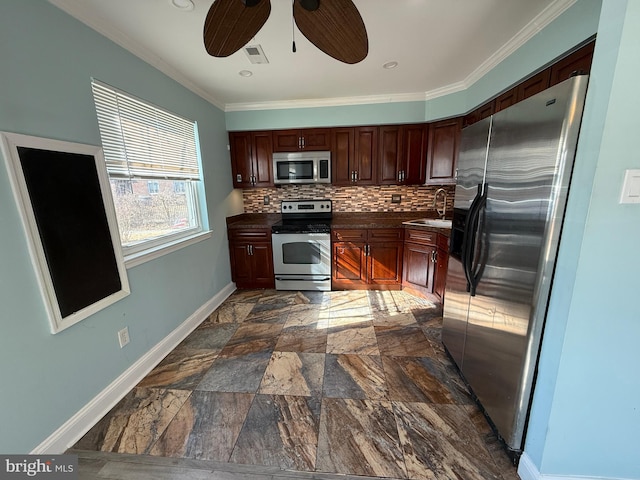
point(336, 28)
point(230, 25)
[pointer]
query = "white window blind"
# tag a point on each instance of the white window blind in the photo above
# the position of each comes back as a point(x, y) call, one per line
point(142, 140)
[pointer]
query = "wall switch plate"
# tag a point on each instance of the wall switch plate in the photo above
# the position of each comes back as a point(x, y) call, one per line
point(396, 198)
point(631, 187)
point(123, 336)
point(266, 199)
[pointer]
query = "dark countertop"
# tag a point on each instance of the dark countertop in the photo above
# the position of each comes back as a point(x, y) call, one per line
point(342, 220)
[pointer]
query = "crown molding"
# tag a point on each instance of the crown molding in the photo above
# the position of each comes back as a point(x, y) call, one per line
point(76, 10)
point(327, 102)
point(544, 18)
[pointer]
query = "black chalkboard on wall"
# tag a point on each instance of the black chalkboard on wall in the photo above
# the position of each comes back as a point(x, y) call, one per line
point(65, 201)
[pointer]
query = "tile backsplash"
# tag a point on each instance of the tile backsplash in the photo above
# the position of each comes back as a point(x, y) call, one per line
point(349, 199)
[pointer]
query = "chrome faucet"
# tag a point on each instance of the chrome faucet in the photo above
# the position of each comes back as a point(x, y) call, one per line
point(444, 203)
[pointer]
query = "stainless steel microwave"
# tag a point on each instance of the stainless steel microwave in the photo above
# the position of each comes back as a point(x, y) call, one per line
point(302, 167)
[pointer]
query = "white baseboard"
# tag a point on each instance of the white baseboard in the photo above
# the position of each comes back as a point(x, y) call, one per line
point(528, 471)
point(80, 423)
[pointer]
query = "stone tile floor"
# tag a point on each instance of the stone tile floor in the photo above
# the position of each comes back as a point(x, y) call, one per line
point(353, 383)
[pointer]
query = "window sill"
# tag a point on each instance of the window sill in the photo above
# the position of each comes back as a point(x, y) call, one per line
point(139, 258)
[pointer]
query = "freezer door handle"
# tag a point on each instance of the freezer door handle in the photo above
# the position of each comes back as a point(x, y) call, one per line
point(470, 233)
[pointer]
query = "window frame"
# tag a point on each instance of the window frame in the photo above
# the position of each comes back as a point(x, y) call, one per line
point(146, 250)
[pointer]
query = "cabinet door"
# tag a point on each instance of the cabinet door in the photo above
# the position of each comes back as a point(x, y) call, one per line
point(240, 146)
point(414, 153)
point(440, 274)
point(241, 272)
point(389, 155)
point(349, 265)
point(286, 140)
point(505, 100)
point(418, 267)
point(342, 156)
point(535, 84)
point(316, 139)
point(262, 266)
point(366, 154)
point(384, 263)
point(442, 158)
point(262, 162)
point(578, 61)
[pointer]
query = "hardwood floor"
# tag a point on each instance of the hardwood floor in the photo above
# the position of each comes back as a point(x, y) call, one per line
point(277, 385)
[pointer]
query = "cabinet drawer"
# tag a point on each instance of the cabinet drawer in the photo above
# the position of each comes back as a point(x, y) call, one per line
point(250, 234)
point(385, 235)
point(424, 237)
point(349, 235)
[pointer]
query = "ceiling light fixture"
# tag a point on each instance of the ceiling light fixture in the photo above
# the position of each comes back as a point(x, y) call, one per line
point(184, 5)
point(245, 73)
point(390, 65)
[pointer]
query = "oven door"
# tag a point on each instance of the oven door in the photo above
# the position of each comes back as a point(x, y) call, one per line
point(304, 254)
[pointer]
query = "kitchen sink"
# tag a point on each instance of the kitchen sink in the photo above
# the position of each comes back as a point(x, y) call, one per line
point(429, 222)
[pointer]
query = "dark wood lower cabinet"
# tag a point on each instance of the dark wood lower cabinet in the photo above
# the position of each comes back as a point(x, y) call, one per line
point(251, 258)
point(425, 262)
point(367, 259)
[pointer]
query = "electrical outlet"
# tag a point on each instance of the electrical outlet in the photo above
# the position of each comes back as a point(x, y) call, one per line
point(123, 336)
point(396, 198)
point(266, 199)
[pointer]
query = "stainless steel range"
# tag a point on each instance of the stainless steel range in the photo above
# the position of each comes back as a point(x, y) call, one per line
point(302, 245)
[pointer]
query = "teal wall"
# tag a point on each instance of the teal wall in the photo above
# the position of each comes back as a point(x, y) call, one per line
point(48, 59)
point(586, 413)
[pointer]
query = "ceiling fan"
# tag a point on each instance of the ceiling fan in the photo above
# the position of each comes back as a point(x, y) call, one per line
point(334, 26)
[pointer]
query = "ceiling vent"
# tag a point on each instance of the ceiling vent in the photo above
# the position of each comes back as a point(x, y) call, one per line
point(255, 54)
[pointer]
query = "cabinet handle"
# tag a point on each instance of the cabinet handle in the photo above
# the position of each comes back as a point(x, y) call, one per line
point(434, 256)
point(355, 176)
point(367, 250)
point(303, 144)
point(404, 175)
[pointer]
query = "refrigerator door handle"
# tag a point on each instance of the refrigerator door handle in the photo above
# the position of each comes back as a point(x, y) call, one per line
point(470, 239)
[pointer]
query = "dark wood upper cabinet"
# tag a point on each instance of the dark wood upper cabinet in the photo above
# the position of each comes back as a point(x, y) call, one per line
point(251, 159)
point(533, 85)
point(302, 139)
point(342, 155)
point(505, 100)
point(354, 155)
point(442, 157)
point(414, 153)
point(366, 154)
point(402, 154)
point(478, 114)
point(389, 154)
point(577, 62)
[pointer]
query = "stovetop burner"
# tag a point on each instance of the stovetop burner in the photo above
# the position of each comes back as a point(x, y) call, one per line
point(301, 226)
point(304, 216)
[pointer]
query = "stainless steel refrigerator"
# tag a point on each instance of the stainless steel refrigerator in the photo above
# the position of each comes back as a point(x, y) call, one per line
point(514, 170)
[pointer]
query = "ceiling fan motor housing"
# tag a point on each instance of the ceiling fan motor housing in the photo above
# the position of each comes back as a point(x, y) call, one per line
point(310, 5)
